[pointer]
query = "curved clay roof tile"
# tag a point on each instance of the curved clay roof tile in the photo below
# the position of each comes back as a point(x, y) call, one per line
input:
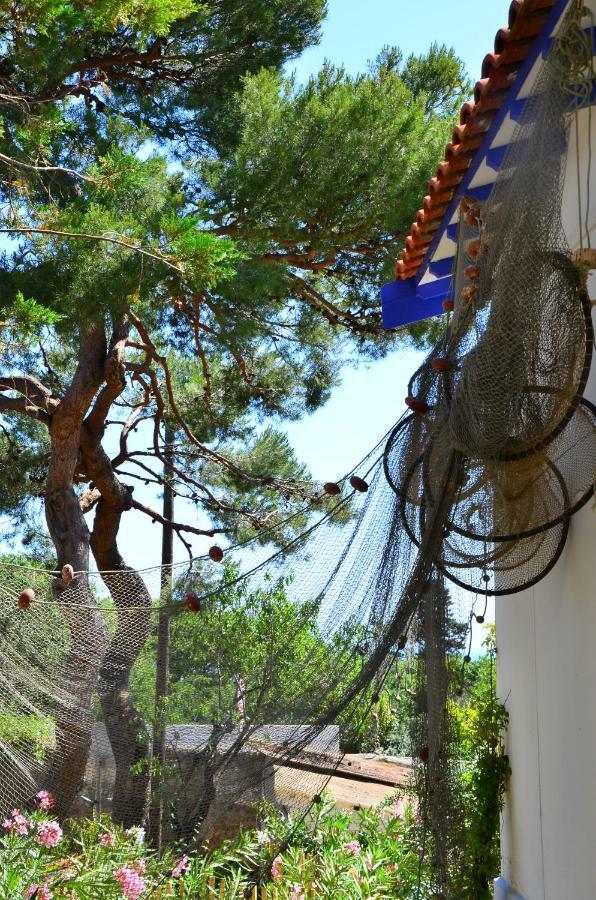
point(490, 100)
point(438, 200)
point(514, 11)
point(499, 70)
point(500, 79)
point(465, 113)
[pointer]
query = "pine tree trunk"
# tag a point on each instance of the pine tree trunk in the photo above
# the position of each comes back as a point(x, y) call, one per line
point(126, 728)
point(162, 666)
point(69, 532)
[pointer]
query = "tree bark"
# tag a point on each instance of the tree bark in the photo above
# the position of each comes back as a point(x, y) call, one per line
point(70, 535)
point(127, 731)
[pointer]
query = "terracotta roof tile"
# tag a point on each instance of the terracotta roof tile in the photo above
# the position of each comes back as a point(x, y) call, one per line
point(499, 71)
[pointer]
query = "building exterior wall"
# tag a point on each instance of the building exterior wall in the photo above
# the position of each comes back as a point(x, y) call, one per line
point(546, 640)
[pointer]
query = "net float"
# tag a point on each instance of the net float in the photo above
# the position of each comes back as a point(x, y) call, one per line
point(468, 293)
point(480, 619)
point(193, 603)
point(67, 573)
point(359, 484)
point(473, 248)
point(472, 273)
point(26, 598)
point(330, 487)
point(440, 364)
point(216, 553)
point(448, 305)
point(472, 215)
point(417, 405)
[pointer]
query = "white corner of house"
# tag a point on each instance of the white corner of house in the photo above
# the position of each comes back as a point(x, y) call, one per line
point(502, 891)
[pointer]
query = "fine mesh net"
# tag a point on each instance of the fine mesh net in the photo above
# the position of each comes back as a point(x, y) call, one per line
point(279, 658)
point(276, 661)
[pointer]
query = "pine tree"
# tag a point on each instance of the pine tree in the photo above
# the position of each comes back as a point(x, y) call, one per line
point(196, 241)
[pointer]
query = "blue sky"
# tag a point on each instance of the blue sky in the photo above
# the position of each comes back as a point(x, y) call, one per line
point(354, 32)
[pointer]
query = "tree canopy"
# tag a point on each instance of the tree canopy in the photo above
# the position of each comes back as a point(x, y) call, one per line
point(194, 247)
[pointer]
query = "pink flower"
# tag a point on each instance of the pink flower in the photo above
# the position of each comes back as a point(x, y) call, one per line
point(132, 884)
point(18, 823)
point(138, 865)
point(44, 893)
point(352, 848)
point(368, 862)
point(48, 834)
point(39, 891)
point(276, 868)
point(399, 808)
point(108, 839)
point(393, 867)
point(181, 867)
point(297, 893)
point(45, 800)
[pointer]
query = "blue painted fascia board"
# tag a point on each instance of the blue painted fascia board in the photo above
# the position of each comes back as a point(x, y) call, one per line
point(404, 302)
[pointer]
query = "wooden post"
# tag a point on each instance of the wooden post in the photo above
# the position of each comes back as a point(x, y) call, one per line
point(162, 663)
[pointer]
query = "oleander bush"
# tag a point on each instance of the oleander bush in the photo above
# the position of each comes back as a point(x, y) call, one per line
point(328, 854)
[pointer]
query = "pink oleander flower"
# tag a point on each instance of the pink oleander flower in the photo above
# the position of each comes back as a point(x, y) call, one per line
point(108, 839)
point(18, 823)
point(352, 848)
point(138, 865)
point(181, 867)
point(48, 834)
point(39, 891)
point(398, 808)
point(132, 884)
point(393, 867)
point(276, 868)
point(297, 893)
point(45, 800)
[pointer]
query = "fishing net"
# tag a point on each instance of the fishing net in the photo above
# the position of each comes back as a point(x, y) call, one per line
point(266, 654)
point(275, 659)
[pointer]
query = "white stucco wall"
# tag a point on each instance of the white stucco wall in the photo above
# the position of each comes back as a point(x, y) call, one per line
point(546, 641)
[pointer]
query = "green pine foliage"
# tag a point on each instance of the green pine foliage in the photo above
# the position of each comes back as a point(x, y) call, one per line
point(156, 165)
